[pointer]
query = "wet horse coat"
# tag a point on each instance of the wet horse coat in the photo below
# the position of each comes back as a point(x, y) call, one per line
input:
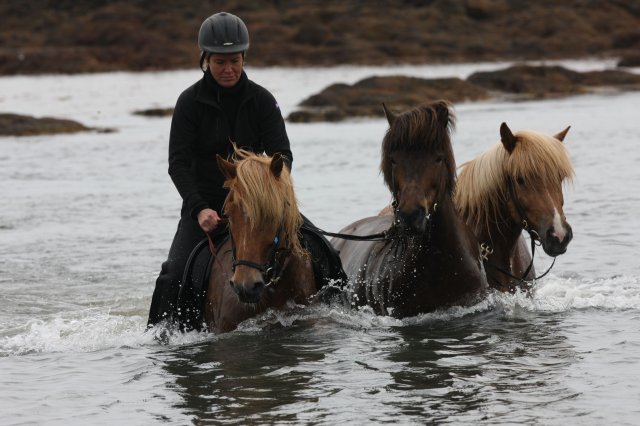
point(430, 259)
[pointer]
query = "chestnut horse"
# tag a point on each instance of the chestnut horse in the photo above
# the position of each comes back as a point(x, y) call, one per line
point(263, 264)
point(514, 185)
point(430, 258)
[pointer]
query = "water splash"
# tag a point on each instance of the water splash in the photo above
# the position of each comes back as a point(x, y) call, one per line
point(93, 330)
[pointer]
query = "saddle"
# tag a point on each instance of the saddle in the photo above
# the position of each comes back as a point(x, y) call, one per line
point(327, 271)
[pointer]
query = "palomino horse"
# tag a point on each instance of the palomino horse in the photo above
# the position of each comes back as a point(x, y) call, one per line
point(430, 259)
point(263, 264)
point(514, 185)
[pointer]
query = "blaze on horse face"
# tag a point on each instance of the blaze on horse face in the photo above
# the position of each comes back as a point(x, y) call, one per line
point(250, 245)
point(418, 166)
point(538, 203)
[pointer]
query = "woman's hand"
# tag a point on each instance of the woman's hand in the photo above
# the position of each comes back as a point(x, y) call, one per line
point(208, 219)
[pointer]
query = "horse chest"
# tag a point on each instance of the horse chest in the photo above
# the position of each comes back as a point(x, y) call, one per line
point(401, 284)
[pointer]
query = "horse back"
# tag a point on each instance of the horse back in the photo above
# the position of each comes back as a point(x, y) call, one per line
point(356, 256)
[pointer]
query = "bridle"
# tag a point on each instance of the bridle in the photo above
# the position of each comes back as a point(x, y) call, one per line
point(272, 269)
point(523, 215)
point(533, 235)
point(396, 210)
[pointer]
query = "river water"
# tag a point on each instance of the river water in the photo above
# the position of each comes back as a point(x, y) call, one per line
point(87, 219)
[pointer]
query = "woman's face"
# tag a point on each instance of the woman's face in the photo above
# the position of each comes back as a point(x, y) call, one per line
point(226, 68)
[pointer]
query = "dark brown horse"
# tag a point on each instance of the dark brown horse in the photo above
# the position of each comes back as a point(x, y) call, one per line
point(514, 185)
point(431, 259)
point(263, 264)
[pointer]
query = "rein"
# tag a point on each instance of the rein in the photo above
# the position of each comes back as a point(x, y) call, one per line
point(380, 236)
point(521, 280)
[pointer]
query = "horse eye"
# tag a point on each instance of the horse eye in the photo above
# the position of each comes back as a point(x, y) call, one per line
point(520, 180)
point(439, 159)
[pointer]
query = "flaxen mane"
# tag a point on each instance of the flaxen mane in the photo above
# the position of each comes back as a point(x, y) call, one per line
point(425, 129)
point(268, 201)
point(482, 183)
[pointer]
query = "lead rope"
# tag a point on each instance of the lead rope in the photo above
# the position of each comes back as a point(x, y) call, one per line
point(380, 236)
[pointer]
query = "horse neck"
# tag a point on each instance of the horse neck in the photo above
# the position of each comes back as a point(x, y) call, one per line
point(297, 281)
point(501, 234)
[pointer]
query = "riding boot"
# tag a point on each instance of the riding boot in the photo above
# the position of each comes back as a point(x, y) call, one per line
point(164, 303)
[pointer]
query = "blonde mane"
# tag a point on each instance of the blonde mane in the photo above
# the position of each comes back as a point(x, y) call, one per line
point(268, 201)
point(481, 187)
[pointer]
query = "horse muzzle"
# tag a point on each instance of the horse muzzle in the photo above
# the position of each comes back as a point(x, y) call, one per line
point(248, 293)
point(416, 219)
point(554, 243)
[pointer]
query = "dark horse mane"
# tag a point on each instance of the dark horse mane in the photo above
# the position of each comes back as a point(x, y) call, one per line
point(424, 129)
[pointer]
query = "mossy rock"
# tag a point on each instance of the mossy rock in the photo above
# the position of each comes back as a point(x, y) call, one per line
point(629, 60)
point(155, 112)
point(540, 82)
point(24, 125)
point(364, 98)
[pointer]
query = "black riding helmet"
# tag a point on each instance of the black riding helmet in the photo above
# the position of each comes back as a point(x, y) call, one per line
point(223, 33)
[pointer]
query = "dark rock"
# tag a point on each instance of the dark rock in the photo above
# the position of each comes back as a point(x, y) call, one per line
point(364, 98)
point(24, 125)
point(155, 112)
point(550, 81)
point(630, 60)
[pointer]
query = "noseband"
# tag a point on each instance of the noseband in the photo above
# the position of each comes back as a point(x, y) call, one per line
point(271, 270)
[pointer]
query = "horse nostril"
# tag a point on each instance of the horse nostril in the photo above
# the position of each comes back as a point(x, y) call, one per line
point(250, 292)
point(415, 219)
point(258, 286)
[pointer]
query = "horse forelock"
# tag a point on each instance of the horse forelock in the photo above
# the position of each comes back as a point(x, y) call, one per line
point(541, 159)
point(481, 187)
point(267, 201)
point(421, 131)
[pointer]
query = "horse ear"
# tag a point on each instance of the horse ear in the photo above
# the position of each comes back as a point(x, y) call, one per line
point(443, 113)
point(277, 161)
point(560, 136)
point(508, 140)
point(227, 168)
point(391, 118)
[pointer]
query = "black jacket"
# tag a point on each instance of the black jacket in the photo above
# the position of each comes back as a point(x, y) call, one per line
point(200, 130)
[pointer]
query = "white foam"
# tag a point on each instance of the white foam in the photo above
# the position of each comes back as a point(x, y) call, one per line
point(92, 330)
point(617, 293)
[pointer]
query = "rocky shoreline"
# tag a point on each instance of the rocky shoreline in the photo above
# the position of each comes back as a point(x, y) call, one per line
point(363, 99)
point(520, 82)
point(40, 36)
